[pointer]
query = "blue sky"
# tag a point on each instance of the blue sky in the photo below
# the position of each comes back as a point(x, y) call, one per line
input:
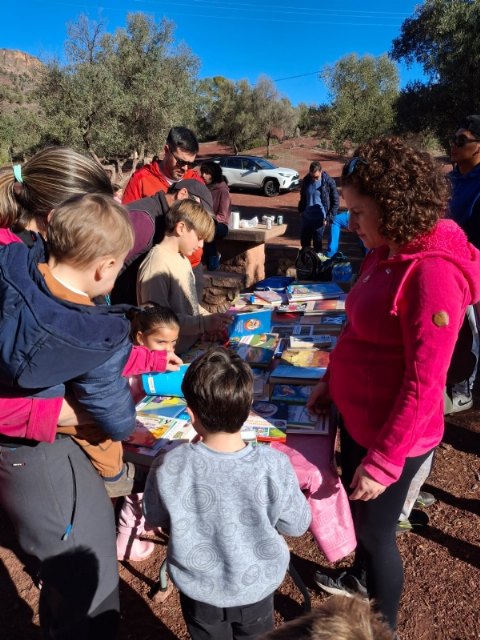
point(288, 40)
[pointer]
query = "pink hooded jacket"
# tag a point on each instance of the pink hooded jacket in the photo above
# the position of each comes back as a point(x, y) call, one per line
point(387, 373)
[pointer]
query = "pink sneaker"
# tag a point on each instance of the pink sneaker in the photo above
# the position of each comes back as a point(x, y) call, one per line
point(131, 525)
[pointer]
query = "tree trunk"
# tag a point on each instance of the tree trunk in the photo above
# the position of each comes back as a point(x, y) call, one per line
point(268, 145)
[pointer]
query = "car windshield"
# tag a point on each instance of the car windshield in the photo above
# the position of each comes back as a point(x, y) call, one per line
point(264, 164)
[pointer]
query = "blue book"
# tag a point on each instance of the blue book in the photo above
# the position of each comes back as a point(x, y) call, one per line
point(316, 291)
point(166, 384)
point(289, 374)
point(291, 393)
point(246, 324)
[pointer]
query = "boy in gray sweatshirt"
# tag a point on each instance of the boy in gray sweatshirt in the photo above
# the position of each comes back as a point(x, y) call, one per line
point(227, 504)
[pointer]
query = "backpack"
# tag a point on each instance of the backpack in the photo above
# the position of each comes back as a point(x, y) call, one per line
point(309, 266)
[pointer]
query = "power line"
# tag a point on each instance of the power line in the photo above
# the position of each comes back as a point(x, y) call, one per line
point(300, 75)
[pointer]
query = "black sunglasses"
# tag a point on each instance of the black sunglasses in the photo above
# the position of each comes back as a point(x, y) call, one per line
point(461, 140)
point(181, 162)
point(350, 166)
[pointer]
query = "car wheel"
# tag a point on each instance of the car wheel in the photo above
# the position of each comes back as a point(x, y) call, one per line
point(270, 188)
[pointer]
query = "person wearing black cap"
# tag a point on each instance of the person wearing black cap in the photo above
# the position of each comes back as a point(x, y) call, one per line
point(465, 210)
point(148, 220)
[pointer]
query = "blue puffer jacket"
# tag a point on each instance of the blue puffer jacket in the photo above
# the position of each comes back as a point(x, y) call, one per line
point(46, 342)
point(328, 195)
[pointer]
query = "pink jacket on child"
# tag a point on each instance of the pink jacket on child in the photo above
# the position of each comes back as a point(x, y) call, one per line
point(387, 373)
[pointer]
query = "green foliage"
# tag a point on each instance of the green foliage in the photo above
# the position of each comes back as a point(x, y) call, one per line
point(363, 92)
point(238, 114)
point(315, 118)
point(444, 37)
point(119, 92)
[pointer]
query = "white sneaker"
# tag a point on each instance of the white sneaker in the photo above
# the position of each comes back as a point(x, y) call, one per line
point(458, 402)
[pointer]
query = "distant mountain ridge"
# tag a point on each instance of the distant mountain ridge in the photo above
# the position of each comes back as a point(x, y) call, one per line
point(19, 77)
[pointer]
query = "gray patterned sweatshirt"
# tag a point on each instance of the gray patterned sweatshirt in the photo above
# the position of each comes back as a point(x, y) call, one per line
point(226, 512)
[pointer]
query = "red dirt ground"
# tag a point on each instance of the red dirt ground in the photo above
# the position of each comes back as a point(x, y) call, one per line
point(442, 560)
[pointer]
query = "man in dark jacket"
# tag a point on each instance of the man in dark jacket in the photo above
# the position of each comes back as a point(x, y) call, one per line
point(465, 210)
point(318, 205)
point(147, 216)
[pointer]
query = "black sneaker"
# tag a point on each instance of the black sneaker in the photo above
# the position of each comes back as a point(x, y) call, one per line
point(345, 584)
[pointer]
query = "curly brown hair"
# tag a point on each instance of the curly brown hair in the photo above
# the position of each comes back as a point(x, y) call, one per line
point(407, 185)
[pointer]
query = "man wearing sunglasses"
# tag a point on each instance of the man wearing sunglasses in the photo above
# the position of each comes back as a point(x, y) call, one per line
point(180, 151)
point(465, 210)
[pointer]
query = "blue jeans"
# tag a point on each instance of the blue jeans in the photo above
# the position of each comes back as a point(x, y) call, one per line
point(312, 228)
point(340, 221)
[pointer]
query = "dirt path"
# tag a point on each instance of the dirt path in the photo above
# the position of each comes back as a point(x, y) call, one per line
point(442, 560)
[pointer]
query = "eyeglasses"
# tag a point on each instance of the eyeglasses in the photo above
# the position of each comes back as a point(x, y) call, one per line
point(461, 140)
point(181, 162)
point(350, 166)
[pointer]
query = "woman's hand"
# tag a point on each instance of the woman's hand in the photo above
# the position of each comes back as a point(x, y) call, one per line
point(319, 399)
point(364, 486)
point(173, 362)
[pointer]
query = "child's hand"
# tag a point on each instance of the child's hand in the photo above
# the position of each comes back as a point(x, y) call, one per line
point(173, 362)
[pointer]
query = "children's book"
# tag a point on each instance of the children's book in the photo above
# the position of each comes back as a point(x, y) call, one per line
point(287, 373)
point(263, 428)
point(317, 307)
point(246, 324)
point(315, 291)
point(292, 307)
point(298, 419)
point(257, 349)
point(168, 383)
point(313, 341)
point(291, 393)
point(314, 358)
point(153, 434)
point(165, 406)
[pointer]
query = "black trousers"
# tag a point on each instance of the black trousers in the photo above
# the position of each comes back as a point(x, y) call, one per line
point(206, 622)
point(377, 557)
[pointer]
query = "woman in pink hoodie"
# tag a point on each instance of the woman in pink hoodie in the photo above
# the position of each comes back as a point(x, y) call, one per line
point(388, 371)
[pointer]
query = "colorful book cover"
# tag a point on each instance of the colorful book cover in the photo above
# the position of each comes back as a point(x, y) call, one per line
point(291, 393)
point(296, 416)
point(292, 307)
point(167, 384)
point(265, 428)
point(154, 433)
point(257, 349)
point(165, 406)
point(314, 307)
point(306, 358)
point(245, 324)
point(314, 291)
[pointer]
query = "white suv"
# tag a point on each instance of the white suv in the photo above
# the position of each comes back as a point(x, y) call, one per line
point(257, 173)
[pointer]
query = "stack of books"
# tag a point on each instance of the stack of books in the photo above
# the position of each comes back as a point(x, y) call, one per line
point(162, 423)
